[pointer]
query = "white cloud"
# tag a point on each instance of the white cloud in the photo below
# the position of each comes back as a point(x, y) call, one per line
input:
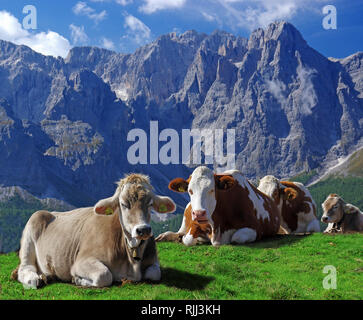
point(152, 6)
point(47, 43)
point(306, 92)
point(251, 14)
point(107, 44)
point(277, 88)
point(136, 30)
point(120, 2)
point(124, 2)
point(82, 9)
point(78, 34)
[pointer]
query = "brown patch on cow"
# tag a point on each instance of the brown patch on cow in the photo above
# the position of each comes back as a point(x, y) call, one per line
point(235, 210)
point(291, 207)
point(224, 182)
point(179, 185)
point(194, 228)
point(290, 194)
point(201, 230)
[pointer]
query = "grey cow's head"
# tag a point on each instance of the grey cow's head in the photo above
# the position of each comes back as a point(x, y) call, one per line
point(333, 207)
point(134, 199)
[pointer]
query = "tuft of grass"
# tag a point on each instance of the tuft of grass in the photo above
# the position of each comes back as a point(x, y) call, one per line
point(283, 267)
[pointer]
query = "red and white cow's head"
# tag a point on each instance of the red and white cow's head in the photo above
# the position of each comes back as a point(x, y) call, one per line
point(202, 186)
point(272, 187)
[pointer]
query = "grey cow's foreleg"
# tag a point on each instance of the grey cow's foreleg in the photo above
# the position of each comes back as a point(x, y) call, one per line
point(91, 273)
point(153, 272)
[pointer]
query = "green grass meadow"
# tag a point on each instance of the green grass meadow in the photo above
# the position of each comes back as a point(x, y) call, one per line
point(284, 267)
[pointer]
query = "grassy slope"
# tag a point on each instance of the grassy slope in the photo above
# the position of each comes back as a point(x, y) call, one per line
point(345, 180)
point(14, 214)
point(288, 267)
point(349, 188)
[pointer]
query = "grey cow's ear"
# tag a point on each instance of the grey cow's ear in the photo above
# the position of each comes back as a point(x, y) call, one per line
point(107, 207)
point(163, 204)
point(349, 208)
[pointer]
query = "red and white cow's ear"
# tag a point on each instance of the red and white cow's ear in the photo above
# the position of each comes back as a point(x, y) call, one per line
point(163, 204)
point(224, 182)
point(290, 194)
point(179, 185)
point(106, 207)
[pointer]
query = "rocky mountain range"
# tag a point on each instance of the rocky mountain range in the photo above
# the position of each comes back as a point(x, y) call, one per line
point(64, 122)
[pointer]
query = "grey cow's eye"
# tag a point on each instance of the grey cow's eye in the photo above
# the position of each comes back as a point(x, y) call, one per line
point(125, 206)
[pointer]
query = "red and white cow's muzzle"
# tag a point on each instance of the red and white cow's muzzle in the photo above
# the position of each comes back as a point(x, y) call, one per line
point(200, 216)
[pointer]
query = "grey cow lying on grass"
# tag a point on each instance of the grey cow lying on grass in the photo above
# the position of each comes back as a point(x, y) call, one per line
point(341, 216)
point(94, 247)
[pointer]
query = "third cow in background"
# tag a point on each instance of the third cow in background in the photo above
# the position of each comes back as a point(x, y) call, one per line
point(294, 201)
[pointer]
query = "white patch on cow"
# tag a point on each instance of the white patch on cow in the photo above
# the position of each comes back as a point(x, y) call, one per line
point(202, 184)
point(268, 185)
point(307, 222)
point(279, 206)
point(188, 240)
point(153, 273)
point(244, 235)
point(256, 199)
point(227, 236)
point(81, 282)
point(329, 227)
point(183, 228)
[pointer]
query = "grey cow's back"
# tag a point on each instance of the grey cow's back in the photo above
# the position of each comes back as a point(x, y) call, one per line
point(57, 237)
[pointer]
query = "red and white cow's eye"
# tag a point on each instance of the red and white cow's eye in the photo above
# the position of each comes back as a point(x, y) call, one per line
point(190, 191)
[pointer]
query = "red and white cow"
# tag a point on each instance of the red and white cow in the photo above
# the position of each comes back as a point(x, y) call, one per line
point(225, 208)
point(295, 203)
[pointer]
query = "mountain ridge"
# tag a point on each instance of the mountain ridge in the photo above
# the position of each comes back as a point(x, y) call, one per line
point(293, 109)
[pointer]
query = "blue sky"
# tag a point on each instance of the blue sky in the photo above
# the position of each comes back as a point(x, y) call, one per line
point(124, 25)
